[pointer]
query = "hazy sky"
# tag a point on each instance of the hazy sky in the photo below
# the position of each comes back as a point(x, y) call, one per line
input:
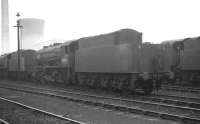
point(158, 20)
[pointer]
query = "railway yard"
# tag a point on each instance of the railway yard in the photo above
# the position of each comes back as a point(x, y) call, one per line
point(112, 78)
point(88, 76)
point(88, 106)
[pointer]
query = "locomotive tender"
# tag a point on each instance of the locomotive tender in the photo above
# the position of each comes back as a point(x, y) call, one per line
point(116, 61)
point(182, 57)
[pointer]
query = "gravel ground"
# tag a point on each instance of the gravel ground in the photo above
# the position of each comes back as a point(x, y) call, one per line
point(14, 114)
point(80, 112)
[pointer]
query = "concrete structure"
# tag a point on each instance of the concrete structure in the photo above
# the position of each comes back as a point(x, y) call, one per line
point(31, 32)
point(4, 27)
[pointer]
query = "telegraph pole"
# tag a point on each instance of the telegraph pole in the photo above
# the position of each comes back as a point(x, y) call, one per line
point(18, 40)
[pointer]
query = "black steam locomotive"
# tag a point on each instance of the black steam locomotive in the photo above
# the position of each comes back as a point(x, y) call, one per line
point(115, 61)
point(182, 57)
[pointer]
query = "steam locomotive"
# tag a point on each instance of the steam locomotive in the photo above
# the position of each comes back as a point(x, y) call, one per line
point(183, 59)
point(114, 61)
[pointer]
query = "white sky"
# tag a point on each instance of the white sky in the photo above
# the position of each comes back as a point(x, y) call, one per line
point(158, 20)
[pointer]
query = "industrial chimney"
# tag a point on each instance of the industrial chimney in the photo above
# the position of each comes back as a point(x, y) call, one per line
point(4, 27)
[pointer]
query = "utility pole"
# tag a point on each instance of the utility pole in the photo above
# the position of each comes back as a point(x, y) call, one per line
point(18, 39)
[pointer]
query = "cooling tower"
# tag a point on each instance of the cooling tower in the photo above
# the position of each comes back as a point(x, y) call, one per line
point(31, 32)
point(4, 27)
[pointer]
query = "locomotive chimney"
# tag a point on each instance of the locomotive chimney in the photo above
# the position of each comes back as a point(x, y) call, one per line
point(4, 27)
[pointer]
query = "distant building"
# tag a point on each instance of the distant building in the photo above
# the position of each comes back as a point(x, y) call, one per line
point(4, 27)
point(32, 32)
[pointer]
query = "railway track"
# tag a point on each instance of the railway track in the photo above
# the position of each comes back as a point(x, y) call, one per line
point(125, 105)
point(172, 100)
point(3, 121)
point(68, 120)
point(181, 88)
point(192, 102)
point(185, 98)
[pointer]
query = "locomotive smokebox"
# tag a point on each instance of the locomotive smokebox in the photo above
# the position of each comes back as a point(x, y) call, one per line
point(31, 32)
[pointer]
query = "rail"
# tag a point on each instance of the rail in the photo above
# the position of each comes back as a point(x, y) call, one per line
point(3, 121)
